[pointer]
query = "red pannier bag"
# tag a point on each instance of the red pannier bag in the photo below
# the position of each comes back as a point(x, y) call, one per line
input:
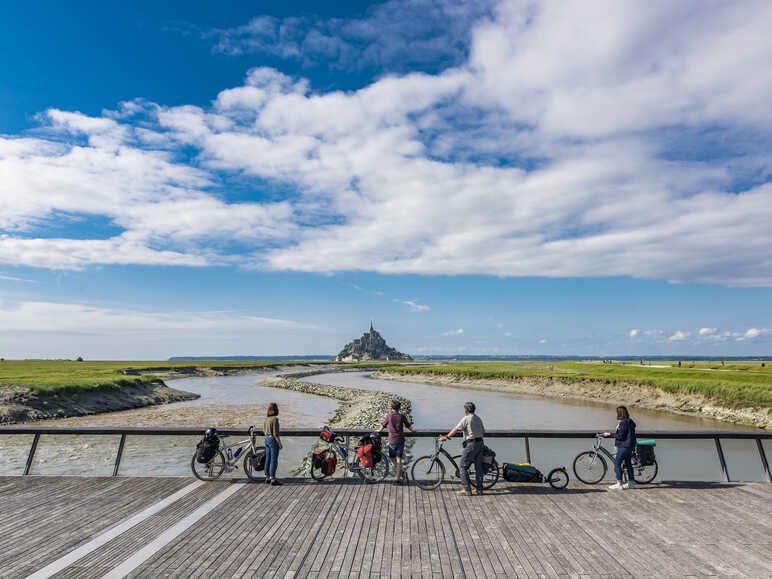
point(365, 454)
point(329, 465)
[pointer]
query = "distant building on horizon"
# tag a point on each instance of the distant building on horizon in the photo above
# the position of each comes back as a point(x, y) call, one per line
point(371, 346)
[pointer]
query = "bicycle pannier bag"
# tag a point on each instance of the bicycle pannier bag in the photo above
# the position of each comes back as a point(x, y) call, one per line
point(328, 468)
point(645, 450)
point(522, 472)
point(206, 449)
point(365, 454)
point(258, 461)
point(488, 455)
point(327, 434)
point(375, 439)
point(317, 459)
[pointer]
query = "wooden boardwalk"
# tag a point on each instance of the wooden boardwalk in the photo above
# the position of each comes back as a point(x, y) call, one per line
point(176, 527)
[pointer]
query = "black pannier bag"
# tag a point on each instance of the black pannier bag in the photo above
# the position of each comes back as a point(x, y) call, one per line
point(317, 459)
point(645, 451)
point(258, 461)
point(207, 448)
point(489, 455)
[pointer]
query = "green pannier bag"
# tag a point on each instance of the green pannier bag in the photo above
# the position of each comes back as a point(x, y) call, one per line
point(522, 472)
point(645, 452)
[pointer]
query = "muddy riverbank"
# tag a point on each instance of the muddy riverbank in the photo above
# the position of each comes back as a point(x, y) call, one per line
point(19, 404)
point(630, 394)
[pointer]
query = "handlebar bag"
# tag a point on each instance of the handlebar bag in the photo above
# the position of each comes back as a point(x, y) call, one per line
point(327, 434)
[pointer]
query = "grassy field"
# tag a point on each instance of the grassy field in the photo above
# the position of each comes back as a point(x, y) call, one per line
point(63, 375)
point(736, 385)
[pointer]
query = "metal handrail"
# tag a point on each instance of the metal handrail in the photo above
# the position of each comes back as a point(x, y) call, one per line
point(421, 433)
point(123, 432)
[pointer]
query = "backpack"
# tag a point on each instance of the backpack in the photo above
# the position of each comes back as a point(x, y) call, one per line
point(327, 434)
point(207, 447)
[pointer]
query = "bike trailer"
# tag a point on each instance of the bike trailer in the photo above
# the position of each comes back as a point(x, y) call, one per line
point(327, 434)
point(522, 472)
point(208, 446)
point(645, 451)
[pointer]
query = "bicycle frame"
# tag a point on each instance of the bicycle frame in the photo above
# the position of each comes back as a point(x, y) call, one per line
point(440, 450)
point(230, 460)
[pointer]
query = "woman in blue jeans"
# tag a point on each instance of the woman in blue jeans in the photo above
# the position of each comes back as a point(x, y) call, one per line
point(272, 444)
point(625, 443)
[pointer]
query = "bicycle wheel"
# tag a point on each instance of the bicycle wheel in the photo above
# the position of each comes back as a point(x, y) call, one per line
point(249, 467)
point(644, 474)
point(490, 478)
point(375, 473)
point(590, 467)
point(558, 478)
point(208, 470)
point(428, 472)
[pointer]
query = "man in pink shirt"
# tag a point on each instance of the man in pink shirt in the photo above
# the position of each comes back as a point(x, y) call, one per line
point(395, 422)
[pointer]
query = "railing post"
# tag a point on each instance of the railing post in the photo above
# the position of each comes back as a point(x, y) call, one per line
point(763, 456)
point(720, 452)
point(119, 454)
point(31, 454)
point(527, 450)
point(347, 460)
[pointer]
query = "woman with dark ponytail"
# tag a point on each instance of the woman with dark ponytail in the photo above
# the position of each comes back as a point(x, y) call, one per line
point(272, 443)
point(625, 442)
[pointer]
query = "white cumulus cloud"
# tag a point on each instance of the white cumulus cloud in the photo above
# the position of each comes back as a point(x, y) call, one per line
point(553, 146)
point(457, 332)
point(634, 332)
point(707, 331)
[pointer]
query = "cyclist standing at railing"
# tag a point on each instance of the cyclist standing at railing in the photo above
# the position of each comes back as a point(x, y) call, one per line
point(625, 443)
point(472, 427)
point(395, 422)
point(272, 444)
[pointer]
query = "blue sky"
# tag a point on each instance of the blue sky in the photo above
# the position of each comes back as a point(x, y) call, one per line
point(497, 178)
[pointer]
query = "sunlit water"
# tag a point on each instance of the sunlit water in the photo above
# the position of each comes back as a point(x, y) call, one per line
point(434, 407)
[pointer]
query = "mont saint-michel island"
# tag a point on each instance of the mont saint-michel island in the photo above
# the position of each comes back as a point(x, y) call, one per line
point(371, 346)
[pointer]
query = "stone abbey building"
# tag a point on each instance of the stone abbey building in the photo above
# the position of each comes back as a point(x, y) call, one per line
point(371, 346)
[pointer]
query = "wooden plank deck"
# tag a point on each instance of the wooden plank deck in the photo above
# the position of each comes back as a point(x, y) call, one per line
point(347, 529)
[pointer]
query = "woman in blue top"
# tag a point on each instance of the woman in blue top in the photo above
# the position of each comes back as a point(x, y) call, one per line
point(625, 443)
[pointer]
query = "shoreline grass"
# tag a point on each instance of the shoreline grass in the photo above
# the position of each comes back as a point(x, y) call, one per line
point(60, 376)
point(747, 386)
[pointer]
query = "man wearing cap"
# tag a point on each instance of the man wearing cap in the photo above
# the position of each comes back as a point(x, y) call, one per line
point(472, 427)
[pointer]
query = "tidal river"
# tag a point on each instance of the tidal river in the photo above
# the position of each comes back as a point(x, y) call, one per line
point(237, 401)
